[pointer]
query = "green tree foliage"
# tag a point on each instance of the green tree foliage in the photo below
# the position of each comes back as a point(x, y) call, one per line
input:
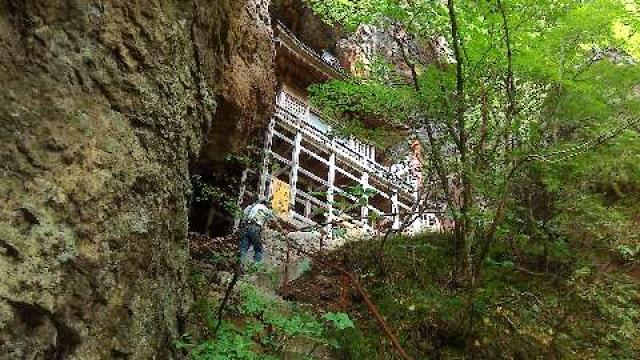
point(581, 313)
point(527, 80)
point(530, 100)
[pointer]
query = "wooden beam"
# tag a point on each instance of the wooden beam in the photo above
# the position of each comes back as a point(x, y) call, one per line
point(347, 174)
point(312, 176)
point(331, 177)
point(395, 210)
point(308, 197)
point(295, 164)
point(283, 137)
point(314, 155)
point(280, 158)
point(364, 209)
point(307, 209)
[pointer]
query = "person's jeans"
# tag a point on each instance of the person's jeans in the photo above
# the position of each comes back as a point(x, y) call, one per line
point(251, 236)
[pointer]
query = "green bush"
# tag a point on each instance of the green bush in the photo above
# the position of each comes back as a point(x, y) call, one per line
point(261, 328)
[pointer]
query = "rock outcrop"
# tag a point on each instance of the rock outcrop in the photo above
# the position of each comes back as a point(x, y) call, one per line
point(308, 27)
point(393, 44)
point(103, 106)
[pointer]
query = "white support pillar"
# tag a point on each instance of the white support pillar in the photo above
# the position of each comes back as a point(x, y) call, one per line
point(331, 177)
point(416, 190)
point(395, 210)
point(306, 115)
point(239, 201)
point(364, 209)
point(265, 174)
point(307, 209)
point(293, 177)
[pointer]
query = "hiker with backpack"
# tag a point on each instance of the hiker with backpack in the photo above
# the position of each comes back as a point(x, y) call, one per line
point(255, 218)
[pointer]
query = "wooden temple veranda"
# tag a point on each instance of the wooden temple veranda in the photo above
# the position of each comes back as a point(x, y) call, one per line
point(307, 168)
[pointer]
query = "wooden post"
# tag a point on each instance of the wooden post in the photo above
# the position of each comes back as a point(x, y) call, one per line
point(364, 209)
point(293, 177)
point(306, 115)
point(395, 210)
point(331, 177)
point(265, 175)
point(285, 284)
point(307, 209)
point(416, 193)
point(243, 189)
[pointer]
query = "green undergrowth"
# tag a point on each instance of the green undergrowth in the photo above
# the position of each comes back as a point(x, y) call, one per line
point(574, 311)
point(258, 325)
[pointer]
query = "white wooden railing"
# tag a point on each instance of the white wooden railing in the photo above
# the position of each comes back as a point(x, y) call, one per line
point(313, 123)
point(299, 116)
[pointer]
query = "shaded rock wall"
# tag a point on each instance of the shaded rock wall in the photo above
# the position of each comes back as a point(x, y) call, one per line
point(246, 91)
point(363, 46)
point(103, 106)
point(305, 24)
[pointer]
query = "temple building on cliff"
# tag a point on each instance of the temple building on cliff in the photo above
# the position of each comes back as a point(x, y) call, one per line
point(307, 169)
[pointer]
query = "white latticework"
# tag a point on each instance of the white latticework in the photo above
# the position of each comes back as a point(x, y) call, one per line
point(293, 105)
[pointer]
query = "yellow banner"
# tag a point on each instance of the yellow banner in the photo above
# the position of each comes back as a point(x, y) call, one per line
point(281, 197)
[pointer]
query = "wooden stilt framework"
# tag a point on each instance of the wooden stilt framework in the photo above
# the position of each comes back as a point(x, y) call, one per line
point(297, 141)
point(314, 168)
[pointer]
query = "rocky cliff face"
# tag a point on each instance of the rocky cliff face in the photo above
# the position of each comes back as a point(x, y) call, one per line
point(103, 106)
point(307, 26)
point(361, 48)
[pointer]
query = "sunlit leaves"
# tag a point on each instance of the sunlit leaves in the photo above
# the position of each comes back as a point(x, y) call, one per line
point(348, 103)
point(340, 320)
point(575, 70)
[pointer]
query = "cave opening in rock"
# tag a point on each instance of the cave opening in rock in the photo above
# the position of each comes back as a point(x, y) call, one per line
point(217, 195)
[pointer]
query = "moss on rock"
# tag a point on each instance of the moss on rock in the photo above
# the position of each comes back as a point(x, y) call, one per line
point(103, 107)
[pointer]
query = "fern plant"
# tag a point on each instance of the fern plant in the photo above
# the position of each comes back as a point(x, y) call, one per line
point(263, 329)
